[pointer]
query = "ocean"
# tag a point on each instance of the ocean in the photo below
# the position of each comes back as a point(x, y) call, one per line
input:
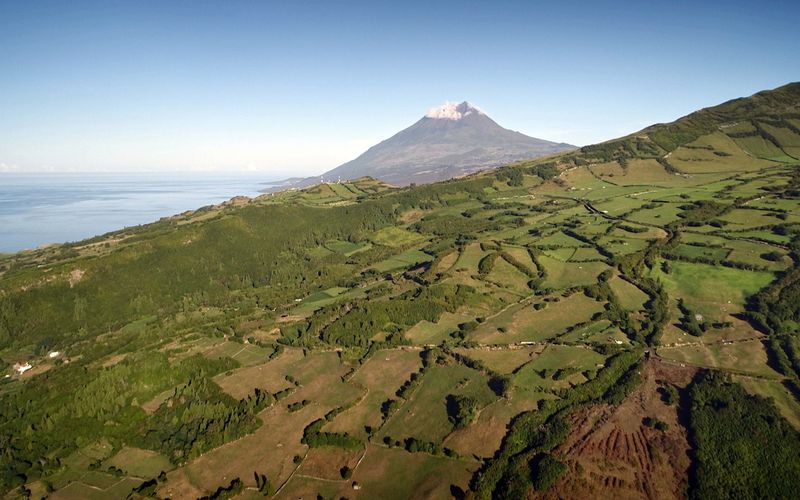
point(37, 209)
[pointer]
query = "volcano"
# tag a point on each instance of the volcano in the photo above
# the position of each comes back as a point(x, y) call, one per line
point(451, 140)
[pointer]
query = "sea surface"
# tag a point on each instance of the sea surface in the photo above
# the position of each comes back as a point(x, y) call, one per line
point(37, 209)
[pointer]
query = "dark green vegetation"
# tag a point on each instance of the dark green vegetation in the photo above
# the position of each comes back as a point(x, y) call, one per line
point(441, 335)
point(733, 431)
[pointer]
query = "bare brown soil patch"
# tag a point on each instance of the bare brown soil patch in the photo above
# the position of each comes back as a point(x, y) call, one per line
point(75, 276)
point(291, 318)
point(611, 453)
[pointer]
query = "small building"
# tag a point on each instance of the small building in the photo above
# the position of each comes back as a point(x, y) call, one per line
point(54, 354)
point(22, 368)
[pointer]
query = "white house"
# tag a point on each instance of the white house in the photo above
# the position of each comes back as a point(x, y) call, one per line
point(20, 368)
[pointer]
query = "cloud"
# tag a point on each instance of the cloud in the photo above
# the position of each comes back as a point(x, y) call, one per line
point(8, 169)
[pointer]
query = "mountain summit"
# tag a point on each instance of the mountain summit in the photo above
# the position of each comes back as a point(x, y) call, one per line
point(451, 111)
point(451, 140)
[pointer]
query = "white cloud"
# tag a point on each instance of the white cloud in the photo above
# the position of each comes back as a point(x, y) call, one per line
point(8, 169)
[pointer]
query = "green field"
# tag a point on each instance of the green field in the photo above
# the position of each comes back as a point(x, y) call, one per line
point(406, 259)
point(722, 290)
point(630, 297)
point(748, 357)
point(525, 324)
point(566, 275)
point(395, 237)
point(425, 415)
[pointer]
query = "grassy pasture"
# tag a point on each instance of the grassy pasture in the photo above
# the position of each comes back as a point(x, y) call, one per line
point(692, 251)
point(773, 203)
point(341, 190)
point(394, 236)
point(741, 218)
point(521, 255)
point(748, 357)
point(596, 332)
point(77, 463)
point(584, 254)
point(426, 332)
point(80, 491)
point(241, 382)
point(622, 246)
point(425, 415)
point(649, 233)
point(327, 462)
point(762, 148)
point(529, 380)
point(268, 451)
point(139, 462)
point(509, 277)
point(706, 239)
point(560, 239)
point(99, 479)
point(319, 252)
point(629, 295)
point(447, 262)
point(484, 436)
point(619, 205)
point(750, 252)
point(413, 475)
point(659, 216)
point(381, 376)
point(606, 192)
point(562, 356)
point(643, 172)
point(502, 360)
point(771, 389)
point(245, 354)
point(765, 235)
point(721, 292)
point(583, 180)
point(739, 330)
point(345, 247)
point(325, 297)
point(592, 225)
point(270, 448)
point(406, 259)
point(525, 324)
point(555, 357)
point(562, 254)
point(306, 487)
point(567, 274)
point(469, 258)
point(695, 158)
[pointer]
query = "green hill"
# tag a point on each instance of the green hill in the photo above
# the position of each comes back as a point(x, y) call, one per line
point(582, 324)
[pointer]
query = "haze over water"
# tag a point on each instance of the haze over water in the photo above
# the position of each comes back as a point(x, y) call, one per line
point(36, 209)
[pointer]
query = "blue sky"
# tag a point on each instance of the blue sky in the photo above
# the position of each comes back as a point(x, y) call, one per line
point(300, 87)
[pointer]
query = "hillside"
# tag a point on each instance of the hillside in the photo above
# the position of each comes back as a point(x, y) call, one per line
point(450, 141)
point(617, 320)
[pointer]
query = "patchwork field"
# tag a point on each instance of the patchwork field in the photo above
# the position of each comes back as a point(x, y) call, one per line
point(546, 329)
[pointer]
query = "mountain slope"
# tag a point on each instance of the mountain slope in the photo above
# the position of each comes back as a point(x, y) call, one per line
point(740, 117)
point(449, 141)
